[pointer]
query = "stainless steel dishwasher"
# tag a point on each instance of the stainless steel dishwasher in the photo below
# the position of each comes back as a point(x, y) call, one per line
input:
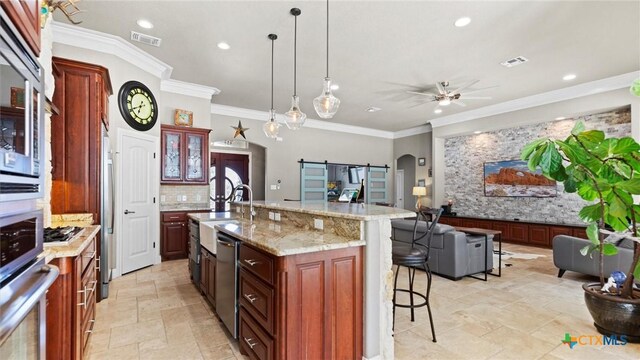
point(227, 282)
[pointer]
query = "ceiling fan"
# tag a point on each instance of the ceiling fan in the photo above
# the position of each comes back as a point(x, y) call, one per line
point(445, 96)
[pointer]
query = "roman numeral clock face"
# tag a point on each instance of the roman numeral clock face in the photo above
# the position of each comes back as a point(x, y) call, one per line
point(137, 105)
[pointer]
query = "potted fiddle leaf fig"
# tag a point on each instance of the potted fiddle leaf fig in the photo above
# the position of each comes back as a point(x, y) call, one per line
point(605, 172)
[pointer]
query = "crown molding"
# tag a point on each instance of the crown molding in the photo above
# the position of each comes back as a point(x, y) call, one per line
point(310, 123)
point(568, 93)
point(189, 89)
point(423, 129)
point(109, 44)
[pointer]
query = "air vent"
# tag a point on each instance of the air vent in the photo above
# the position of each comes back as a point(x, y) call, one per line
point(515, 61)
point(145, 39)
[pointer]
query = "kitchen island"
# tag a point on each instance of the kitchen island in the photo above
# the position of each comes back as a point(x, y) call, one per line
point(344, 227)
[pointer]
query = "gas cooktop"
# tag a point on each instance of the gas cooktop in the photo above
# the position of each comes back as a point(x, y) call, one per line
point(60, 235)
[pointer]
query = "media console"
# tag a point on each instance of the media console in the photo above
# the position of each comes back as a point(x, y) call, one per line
point(517, 231)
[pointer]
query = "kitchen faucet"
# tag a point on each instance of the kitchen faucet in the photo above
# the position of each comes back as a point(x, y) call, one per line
point(252, 213)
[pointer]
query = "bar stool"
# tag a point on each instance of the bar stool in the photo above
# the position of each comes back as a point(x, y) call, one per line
point(415, 255)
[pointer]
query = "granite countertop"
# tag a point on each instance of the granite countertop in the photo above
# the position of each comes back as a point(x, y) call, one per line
point(186, 207)
point(212, 216)
point(283, 239)
point(75, 246)
point(81, 220)
point(341, 210)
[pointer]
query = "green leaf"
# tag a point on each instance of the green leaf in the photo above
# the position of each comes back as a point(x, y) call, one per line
point(636, 272)
point(551, 161)
point(585, 250)
point(591, 213)
point(570, 185)
point(621, 168)
point(591, 136)
point(577, 128)
point(534, 160)
point(528, 149)
point(617, 208)
point(626, 198)
point(626, 145)
point(609, 249)
point(617, 223)
point(587, 192)
point(632, 186)
point(592, 233)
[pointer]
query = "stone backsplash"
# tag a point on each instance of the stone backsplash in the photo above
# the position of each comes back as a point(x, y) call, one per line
point(464, 169)
point(183, 194)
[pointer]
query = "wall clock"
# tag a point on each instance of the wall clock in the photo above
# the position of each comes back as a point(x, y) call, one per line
point(137, 105)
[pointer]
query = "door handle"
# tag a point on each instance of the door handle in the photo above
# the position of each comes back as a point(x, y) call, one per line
point(129, 212)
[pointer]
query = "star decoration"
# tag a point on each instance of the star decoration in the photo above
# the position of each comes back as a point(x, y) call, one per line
point(239, 130)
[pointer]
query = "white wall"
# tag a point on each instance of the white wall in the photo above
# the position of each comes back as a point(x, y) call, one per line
point(420, 147)
point(308, 144)
point(584, 105)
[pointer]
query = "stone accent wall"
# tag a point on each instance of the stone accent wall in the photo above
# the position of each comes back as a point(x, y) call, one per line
point(464, 169)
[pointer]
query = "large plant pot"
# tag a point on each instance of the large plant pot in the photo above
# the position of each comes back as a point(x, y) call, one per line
point(613, 315)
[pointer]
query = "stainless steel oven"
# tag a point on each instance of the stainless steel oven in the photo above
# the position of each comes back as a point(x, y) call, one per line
point(24, 280)
point(21, 117)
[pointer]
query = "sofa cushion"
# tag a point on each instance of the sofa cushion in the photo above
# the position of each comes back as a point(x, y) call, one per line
point(625, 243)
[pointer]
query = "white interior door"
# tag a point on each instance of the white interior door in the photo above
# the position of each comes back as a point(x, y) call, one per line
point(400, 189)
point(138, 210)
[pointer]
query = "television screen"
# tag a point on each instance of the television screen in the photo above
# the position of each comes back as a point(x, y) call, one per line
point(513, 178)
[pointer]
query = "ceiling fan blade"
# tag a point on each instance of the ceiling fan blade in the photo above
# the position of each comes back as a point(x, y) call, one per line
point(441, 88)
point(459, 103)
point(458, 90)
point(465, 97)
point(416, 105)
point(421, 93)
point(476, 90)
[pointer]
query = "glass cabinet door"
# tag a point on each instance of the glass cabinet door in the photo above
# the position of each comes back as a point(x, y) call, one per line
point(195, 166)
point(172, 167)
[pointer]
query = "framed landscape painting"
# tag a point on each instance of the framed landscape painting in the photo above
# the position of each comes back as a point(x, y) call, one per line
point(512, 178)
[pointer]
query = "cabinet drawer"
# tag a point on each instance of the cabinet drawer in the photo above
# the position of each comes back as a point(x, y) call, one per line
point(256, 262)
point(518, 233)
point(87, 325)
point(258, 299)
point(539, 235)
point(253, 341)
point(87, 292)
point(88, 255)
point(174, 216)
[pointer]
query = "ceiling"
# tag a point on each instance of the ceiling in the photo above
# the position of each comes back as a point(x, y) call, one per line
point(380, 49)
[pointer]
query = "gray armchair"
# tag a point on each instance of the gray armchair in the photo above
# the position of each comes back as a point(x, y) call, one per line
point(453, 254)
point(566, 256)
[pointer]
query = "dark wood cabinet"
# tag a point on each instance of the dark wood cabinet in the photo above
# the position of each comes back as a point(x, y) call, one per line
point(520, 232)
point(71, 303)
point(174, 239)
point(301, 306)
point(185, 155)
point(25, 15)
point(81, 93)
point(208, 276)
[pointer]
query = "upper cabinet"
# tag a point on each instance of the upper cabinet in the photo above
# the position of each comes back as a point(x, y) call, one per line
point(25, 15)
point(185, 155)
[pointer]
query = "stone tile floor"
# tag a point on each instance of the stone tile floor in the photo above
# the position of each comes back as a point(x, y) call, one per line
point(156, 313)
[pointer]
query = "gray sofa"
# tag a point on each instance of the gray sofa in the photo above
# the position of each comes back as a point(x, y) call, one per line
point(566, 256)
point(453, 254)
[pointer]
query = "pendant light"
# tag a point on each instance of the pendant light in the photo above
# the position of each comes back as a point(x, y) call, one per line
point(271, 127)
point(326, 104)
point(294, 118)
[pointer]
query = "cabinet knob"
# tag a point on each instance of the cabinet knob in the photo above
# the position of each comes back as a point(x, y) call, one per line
point(250, 297)
point(251, 262)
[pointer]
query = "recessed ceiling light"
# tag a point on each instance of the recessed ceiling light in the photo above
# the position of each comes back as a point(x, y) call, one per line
point(569, 77)
point(477, 132)
point(224, 46)
point(560, 118)
point(437, 111)
point(144, 23)
point(335, 86)
point(373, 109)
point(462, 22)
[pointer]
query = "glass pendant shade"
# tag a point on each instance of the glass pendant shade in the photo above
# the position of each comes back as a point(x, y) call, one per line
point(326, 104)
point(294, 118)
point(271, 128)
